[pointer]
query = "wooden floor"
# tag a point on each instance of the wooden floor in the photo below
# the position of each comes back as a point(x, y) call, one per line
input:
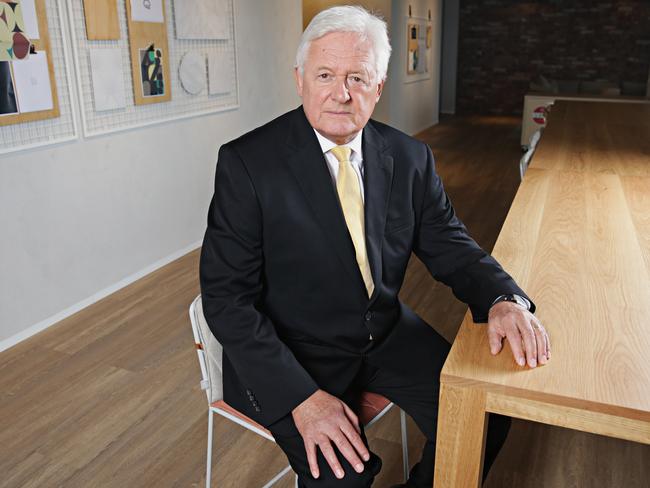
point(109, 397)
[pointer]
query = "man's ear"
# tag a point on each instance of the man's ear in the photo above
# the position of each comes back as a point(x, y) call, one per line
point(380, 89)
point(298, 76)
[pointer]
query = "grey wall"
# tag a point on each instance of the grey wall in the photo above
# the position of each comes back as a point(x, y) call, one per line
point(81, 219)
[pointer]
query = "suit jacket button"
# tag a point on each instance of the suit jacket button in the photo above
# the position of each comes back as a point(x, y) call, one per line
point(368, 316)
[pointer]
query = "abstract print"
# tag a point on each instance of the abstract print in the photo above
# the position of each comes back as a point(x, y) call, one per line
point(151, 68)
point(14, 43)
point(7, 93)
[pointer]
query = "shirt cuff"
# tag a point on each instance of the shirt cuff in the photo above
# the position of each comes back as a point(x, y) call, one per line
point(518, 299)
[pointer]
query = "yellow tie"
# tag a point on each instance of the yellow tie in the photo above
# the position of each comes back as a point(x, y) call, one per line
point(347, 186)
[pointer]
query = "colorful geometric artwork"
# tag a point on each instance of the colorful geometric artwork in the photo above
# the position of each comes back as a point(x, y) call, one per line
point(14, 43)
point(151, 72)
point(413, 57)
point(418, 47)
point(7, 91)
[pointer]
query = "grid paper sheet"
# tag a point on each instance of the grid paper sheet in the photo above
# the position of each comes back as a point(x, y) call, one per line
point(29, 135)
point(182, 104)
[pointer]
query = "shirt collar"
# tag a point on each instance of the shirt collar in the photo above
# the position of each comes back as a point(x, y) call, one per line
point(354, 144)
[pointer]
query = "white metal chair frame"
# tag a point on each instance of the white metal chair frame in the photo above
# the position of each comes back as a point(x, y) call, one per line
point(205, 385)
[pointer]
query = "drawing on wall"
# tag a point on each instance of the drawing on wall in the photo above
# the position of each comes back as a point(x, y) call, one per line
point(198, 19)
point(151, 72)
point(191, 72)
point(147, 11)
point(418, 46)
point(7, 92)
point(414, 54)
point(32, 83)
point(219, 74)
point(108, 79)
point(14, 43)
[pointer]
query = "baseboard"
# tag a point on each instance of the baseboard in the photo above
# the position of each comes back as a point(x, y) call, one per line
point(44, 324)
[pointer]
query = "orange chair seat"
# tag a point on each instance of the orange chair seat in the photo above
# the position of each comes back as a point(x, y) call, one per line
point(370, 405)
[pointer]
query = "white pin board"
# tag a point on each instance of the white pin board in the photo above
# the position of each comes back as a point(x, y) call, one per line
point(183, 104)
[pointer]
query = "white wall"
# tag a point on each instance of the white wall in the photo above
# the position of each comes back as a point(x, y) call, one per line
point(413, 106)
point(82, 219)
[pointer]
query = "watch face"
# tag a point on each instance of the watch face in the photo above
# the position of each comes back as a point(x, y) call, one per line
point(520, 301)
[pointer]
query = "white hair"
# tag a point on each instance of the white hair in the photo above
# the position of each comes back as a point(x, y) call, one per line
point(348, 19)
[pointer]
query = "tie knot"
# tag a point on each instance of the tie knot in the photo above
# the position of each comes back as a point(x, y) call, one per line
point(341, 153)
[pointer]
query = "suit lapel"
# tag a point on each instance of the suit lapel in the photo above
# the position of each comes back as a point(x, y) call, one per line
point(308, 165)
point(378, 178)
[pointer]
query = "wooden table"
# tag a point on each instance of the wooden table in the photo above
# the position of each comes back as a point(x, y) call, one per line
point(577, 239)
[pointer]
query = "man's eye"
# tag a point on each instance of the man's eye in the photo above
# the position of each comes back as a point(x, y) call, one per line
point(324, 76)
point(356, 79)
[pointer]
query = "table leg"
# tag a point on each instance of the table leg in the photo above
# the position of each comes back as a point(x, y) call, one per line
point(461, 437)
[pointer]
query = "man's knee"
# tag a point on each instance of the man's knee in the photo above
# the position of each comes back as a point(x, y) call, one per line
point(352, 479)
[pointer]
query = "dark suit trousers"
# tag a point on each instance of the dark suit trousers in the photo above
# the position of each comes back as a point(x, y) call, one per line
point(419, 399)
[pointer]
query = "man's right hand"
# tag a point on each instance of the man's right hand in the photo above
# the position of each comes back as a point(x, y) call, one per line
point(323, 419)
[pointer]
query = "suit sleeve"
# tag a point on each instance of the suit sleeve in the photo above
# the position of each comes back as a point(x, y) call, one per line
point(231, 276)
point(452, 256)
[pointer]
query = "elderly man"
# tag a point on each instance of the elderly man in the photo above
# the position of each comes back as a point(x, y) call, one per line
point(313, 221)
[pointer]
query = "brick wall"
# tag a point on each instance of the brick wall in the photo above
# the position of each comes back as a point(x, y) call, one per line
point(504, 44)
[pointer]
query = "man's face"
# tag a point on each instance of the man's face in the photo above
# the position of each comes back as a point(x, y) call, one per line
point(339, 86)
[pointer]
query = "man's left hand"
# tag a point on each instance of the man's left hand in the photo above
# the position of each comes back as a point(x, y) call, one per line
point(527, 337)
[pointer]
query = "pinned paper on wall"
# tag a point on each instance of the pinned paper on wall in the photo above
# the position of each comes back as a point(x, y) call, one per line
point(219, 74)
point(7, 92)
point(200, 19)
point(151, 71)
point(414, 54)
point(191, 72)
point(32, 82)
point(14, 43)
point(147, 11)
point(102, 21)
point(30, 18)
point(108, 79)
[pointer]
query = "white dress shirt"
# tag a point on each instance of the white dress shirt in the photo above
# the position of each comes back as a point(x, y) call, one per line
point(356, 158)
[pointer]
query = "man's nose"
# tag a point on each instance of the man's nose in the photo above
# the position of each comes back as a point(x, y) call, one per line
point(340, 92)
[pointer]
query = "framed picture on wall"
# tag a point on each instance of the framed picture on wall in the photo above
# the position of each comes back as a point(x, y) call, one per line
point(418, 48)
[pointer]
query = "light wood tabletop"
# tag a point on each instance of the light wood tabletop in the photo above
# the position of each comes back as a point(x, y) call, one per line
point(577, 239)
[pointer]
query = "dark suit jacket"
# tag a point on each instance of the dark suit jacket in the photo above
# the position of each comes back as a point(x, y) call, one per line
point(280, 283)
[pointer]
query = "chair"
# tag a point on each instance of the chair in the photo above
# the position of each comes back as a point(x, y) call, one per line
point(525, 159)
point(372, 406)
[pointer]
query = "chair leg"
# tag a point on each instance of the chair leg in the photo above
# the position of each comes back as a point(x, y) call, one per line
point(405, 444)
point(208, 470)
point(277, 477)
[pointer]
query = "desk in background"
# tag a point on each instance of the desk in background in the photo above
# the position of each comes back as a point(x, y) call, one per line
point(577, 239)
